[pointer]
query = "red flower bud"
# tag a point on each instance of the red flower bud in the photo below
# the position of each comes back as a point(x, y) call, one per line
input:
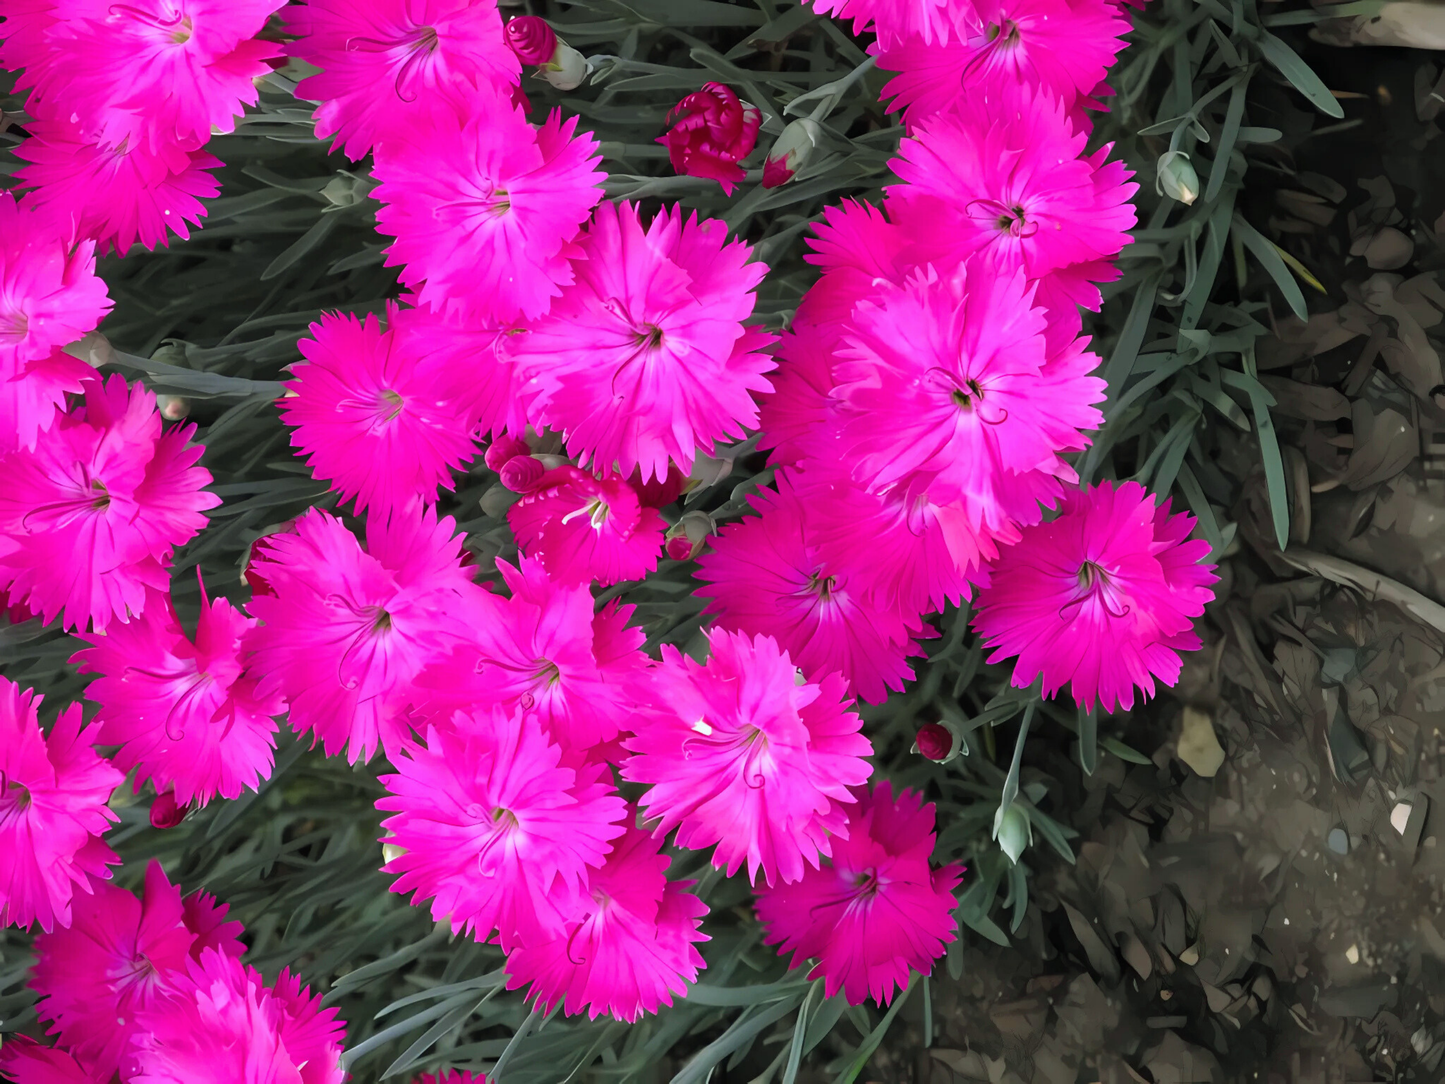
point(166, 812)
point(521, 473)
point(503, 450)
point(532, 39)
point(679, 548)
point(935, 741)
point(712, 131)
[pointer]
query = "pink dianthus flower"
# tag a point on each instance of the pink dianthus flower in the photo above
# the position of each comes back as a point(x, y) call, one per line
point(485, 208)
point(946, 381)
point(766, 575)
point(53, 794)
point(154, 72)
point(347, 629)
point(89, 517)
point(1102, 598)
point(49, 293)
point(225, 1027)
point(119, 195)
point(626, 946)
point(1012, 182)
point(183, 711)
point(119, 957)
point(646, 359)
point(390, 64)
point(878, 911)
point(583, 527)
point(494, 827)
point(1065, 46)
point(744, 753)
point(380, 416)
point(545, 651)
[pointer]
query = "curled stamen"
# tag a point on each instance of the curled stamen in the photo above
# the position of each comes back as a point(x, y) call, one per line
point(147, 17)
point(570, 938)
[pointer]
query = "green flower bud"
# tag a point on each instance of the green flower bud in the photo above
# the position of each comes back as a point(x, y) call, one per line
point(1176, 178)
point(1014, 832)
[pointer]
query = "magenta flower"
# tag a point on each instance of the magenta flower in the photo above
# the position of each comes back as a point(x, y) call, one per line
point(152, 72)
point(485, 208)
point(945, 383)
point(390, 65)
point(544, 651)
point(225, 1027)
point(119, 195)
point(481, 354)
point(712, 131)
point(878, 911)
point(119, 957)
point(627, 945)
point(494, 828)
point(1014, 184)
point(381, 417)
point(53, 794)
point(89, 517)
point(646, 359)
point(346, 630)
point(32, 395)
point(907, 564)
point(766, 576)
point(1102, 599)
point(25, 1061)
point(892, 20)
point(184, 712)
point(49, 295)
point(746, 754)
point(585, 527)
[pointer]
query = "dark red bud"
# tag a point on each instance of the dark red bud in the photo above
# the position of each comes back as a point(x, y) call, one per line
point(504, 449)
point(166, 812)
point(532, 39)
point(679, 548)
point(935, 741)
point(521, 473)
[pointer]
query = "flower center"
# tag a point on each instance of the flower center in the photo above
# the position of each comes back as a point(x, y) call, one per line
point(1094, 584)
point(381, 622)
point(1003, 34)
point(595, 510)
point(649, 337)
point(865, 884)
point(966, 396)
point(14, 800)
point(821, 585)
point(14, 325)
point(137, 971)
point(391, 405)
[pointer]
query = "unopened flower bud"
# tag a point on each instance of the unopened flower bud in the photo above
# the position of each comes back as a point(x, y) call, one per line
point(1175, 177)
point(1014, 832)
point(166, 812)
point(94, 349)
point(172, 407)
point(566, 69)
point(521, 473)
point(503, 450)
point(707, 471)
point(685, 539)
point(532, 39)
point(390, 852)
point(937, 742)
point(791, 152)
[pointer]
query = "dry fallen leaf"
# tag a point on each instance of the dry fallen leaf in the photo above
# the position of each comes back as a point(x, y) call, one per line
point(1198, 745)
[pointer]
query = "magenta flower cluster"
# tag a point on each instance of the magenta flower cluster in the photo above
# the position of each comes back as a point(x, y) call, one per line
point(918, 411)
